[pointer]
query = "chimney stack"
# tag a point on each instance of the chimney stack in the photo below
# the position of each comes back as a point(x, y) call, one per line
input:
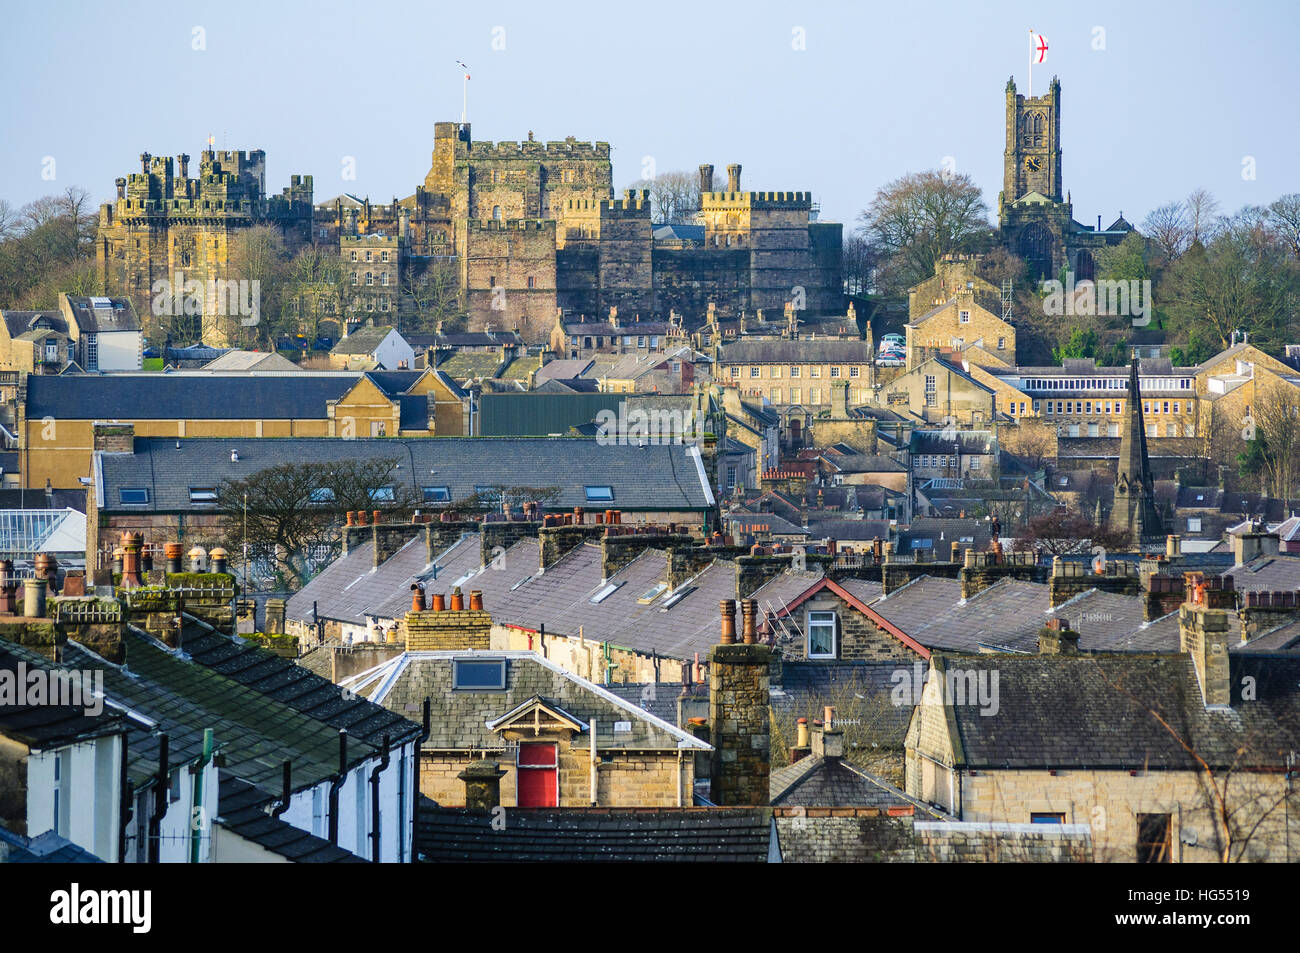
point(828, 740)
point(739, 725)
point(733, 177)
point(448, 629)
point(1057, 638)
point(482, 785)
point(706, 178)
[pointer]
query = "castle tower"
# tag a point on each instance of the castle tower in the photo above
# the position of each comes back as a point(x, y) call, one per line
point(1134, 509)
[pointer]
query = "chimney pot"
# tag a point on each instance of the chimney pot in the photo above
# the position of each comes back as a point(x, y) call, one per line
point(476, 599)
point(438, 603)
point(728, 621)
point(417, 598)
point(457, 600)
point(749, 609)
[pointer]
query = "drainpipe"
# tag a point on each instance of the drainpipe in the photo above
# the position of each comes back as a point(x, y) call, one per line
point(595, 793)
point(284, 789)
point(374, 801)
point(162, 788)
point(127, 808)
point(336, 784)
point(415, 772)
point(199, 771)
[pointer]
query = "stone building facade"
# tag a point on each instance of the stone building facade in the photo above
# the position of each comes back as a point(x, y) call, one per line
point(164, 224)
point(1035, 214)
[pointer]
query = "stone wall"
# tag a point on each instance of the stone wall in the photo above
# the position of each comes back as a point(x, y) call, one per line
point(949, 842)
point(739, 723)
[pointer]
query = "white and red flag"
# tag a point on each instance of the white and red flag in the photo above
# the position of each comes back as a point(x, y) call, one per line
point(1039, 43)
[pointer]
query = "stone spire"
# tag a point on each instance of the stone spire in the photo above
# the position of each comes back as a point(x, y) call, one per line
point(1134, 509)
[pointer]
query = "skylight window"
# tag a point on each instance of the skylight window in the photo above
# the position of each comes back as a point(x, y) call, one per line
point(478, 675)
point(653, 593)
point(599, 494)
point(133, 494)
point(203, 494)
point(676, 597)
point(605, 593)
point(437, 494)
point(382, 494)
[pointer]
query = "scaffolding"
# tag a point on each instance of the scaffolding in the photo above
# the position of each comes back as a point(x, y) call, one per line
point(1008, 287)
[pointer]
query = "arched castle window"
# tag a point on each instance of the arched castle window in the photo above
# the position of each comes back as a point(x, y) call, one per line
point(1035, 248)
point(1085, 269)
point(496, 213)
point(1032, 129)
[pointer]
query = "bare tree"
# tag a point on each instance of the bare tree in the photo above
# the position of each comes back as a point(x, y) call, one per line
point(675, 196)
point(1169, 229)
point(1202, 215)
point(917, 219)
point(1276, 424)
point(1284, 216)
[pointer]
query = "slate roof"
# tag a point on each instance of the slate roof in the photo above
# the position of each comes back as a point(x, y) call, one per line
point(864, 463)
point(850, 836)
point(964, 441)
point(654, 477)
point(249, 360)
point(467, 365)
point(834, 782)
point(602, 835)
point(242, 811)
point(802, 351)
point(1096, 712)
point(859, 689)
point(1267, 573)
point(50, 726)
point(256, 733)
point(460, 718)
point(197, 395)
point(47, 848)
point(363, 340)
point(850, 530)
point(564, 369)
point(658, 698)
point(286, 683)
point(18, 323)
point(113, 314)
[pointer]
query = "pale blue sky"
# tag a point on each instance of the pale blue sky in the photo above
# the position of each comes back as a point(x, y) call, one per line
point(1180, 94)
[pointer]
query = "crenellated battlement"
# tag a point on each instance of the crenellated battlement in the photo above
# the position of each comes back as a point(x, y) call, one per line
point(792, 200)
point(569, 148)
point(511, 225)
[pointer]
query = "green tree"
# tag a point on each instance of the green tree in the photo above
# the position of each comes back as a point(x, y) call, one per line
point(1082, 342)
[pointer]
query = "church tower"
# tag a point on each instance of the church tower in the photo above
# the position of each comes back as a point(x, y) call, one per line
point(1134, 510)
point(1032, 159)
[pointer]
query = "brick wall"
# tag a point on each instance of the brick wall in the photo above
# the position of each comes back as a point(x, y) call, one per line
point(430, 631)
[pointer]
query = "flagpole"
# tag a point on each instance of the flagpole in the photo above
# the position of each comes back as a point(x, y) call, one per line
point(1029, 94)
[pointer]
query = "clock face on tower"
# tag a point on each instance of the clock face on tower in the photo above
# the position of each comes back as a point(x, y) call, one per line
point(1033, 163)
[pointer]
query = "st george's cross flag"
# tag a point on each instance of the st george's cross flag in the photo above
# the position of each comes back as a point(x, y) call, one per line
point(1039, 43)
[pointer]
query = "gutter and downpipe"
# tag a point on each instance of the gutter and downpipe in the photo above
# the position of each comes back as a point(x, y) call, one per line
point(374, 801)
point(284, 790)
point(336, 785)
point(200, 772)
point(162, 787)
point(126, 810)
point(425, 731)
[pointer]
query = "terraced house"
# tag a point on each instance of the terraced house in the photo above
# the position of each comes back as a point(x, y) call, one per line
point(63, 420)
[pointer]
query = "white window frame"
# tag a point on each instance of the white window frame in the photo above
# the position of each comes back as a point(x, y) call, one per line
point(821, 622)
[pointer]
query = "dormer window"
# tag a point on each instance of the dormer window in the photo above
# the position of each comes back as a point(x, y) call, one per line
point(821, 635)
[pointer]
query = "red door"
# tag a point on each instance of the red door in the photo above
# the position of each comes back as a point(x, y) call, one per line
point(538, 775)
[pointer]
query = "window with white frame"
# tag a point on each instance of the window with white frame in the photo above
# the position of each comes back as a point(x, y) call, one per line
point(821, 635)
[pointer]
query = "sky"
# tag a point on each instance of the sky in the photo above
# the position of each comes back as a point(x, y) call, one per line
point(834, 98)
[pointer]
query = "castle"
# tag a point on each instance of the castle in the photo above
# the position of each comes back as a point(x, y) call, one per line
point(532, 229)
point(163, 224)
point(1034, 221)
